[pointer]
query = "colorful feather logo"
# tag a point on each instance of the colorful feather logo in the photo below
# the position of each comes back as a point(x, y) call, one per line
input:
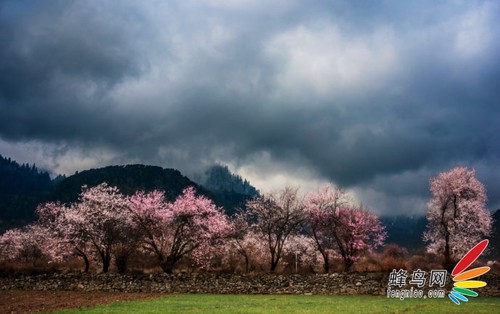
point(462, 285)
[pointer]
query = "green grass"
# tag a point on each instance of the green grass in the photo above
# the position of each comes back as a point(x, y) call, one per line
point(203, 303)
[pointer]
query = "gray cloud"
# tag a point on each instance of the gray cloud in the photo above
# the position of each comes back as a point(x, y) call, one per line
point(374, 96)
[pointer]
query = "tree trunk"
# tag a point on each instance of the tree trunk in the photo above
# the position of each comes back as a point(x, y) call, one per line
point(347, 264)
point(121, 262)
point(447, 263)
point(274, 265)
point(106, 260)
point(343, 252)
point(247, 263)
point(85, 259)
point(324, 253)
point(87, 263)
point(326, 264)
point(167, 265)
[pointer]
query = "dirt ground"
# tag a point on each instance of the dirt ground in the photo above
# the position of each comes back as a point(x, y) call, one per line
point(43, 301)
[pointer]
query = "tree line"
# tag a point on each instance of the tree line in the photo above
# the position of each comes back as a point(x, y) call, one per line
point(105, 226)
point(22, 187)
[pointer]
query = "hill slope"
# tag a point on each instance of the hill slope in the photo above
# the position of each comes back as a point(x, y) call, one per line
point(230, 190)
point(22, 187)
point(128, 179)
point(495, 237)
point(132, 178)
point(408, 231)
point(405, 231)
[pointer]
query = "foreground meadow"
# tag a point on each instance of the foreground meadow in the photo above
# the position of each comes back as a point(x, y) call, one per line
point(196, 303)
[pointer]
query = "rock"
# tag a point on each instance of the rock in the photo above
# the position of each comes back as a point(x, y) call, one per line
point(352, 283)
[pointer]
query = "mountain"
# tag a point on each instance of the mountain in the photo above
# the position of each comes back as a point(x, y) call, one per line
point(128, 179)
point(495, 237)
point(224, 188)
point(22, 187)
point(405, 231)
point(218, 178)
point(230, 190)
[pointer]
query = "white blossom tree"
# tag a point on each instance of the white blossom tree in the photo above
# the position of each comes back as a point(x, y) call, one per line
point(277, 217)
point(457, 215)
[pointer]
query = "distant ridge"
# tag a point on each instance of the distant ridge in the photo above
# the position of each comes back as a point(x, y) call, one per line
point(22, 187)
point(128, 179)
point(405, 231)
point(494, 251)
point(132, 178)
point(230, 190)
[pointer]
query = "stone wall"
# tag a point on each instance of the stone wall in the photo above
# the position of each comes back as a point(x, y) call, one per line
point(347, 284)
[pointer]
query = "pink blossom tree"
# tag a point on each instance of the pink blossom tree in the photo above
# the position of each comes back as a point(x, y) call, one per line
point(457, 215)
point(321, 207)
point(277, 216)
point(192, 225)
point(31, 243)
point(302, 250)
point(101, 217)
point(245, 243)
point(66, 225)
point(358, 232)
point(339, 226)
point(95, 225)
point(241, 237)
point(250, 247)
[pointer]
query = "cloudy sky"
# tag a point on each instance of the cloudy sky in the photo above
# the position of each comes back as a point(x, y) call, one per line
point(376, 96)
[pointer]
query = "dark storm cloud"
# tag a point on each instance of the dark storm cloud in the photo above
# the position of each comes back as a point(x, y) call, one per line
point(375, 96)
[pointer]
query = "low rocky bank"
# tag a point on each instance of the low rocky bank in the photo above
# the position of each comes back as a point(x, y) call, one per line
point(336, 283)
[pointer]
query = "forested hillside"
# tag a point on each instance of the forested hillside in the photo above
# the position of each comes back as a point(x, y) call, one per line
point(22, 187)
point(230, 190)
point(128, 179)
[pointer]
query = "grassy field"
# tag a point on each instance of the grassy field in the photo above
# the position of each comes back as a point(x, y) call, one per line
point(200, 303)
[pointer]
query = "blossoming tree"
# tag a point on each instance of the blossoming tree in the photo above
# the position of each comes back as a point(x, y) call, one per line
point(321, 207)
point(277, 216)
point(339, 226)
point(192, 225)
point(31, 243)
point(457, 215)
point(95, 226)
point(61, 220)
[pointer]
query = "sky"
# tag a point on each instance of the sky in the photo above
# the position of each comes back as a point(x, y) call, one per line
point(374, 96)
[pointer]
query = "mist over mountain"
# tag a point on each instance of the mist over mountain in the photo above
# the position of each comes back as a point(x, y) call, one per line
point(23, 187)
point(218, 178)
point(229, 189)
